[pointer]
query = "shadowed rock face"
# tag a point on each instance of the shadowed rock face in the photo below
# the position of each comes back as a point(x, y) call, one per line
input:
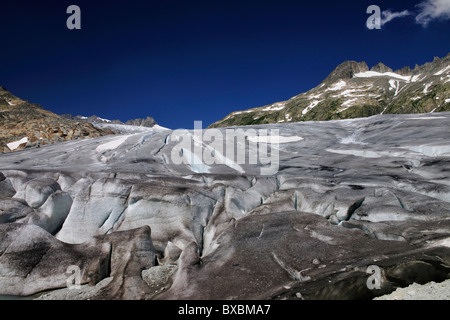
point(349, 195)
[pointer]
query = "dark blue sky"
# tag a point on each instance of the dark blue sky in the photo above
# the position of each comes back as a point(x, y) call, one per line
point(181, 61)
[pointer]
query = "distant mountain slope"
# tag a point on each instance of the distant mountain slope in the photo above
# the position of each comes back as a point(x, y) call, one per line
point(353, 90)
point(148, 122)
point(24, 124)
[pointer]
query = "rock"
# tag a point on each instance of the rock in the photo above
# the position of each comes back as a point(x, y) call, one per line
point(404, 71)
point(381, 67)
point(429, 291)
point(158, 276)
point(346, 70)
point(147, 122)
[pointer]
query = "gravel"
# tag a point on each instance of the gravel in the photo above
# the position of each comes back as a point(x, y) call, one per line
point(429, 291)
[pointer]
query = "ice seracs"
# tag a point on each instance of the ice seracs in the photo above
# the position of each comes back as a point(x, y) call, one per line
point(380, 182)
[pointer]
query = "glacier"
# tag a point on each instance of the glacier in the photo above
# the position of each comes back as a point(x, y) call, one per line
point(347, 195)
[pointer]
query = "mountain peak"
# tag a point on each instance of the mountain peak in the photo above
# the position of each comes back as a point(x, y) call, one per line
point(346, 70)
point(405, 71)
point(381, 67)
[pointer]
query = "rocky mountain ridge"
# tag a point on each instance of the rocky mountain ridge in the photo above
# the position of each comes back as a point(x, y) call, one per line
point(24, 124)
point(147, 122)
point(353, 90)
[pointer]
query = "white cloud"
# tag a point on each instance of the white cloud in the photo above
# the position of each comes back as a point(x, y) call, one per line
point(433, 10)
point(388, 15)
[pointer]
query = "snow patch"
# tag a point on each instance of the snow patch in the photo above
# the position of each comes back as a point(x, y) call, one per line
point(112, 144)
point(310, 107)
point(384, 110)
point(288, 117)
point(274, 139)
point(427, 86)
point(238, 113)
point(106, 120)
point(158, 127)
point(338, 86)
point(275, 107)
point(317, 96)
point(14, 145)
point(442, 71)
point(371, 74)
point(415, 78)
point(394, 85)
point(349, 93)
point(347, 104)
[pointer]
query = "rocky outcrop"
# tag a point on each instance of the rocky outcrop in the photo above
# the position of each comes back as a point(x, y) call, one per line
point(346, 70)
point(148, 122)
point(26, 125)
point(382, 68)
